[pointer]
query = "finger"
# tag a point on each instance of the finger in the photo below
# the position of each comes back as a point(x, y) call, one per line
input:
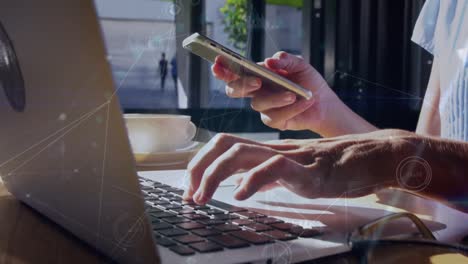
point(231, 76)
point(278, 118)
point(206, 155)
point(266, 173)
point(264, 100)
point(222, 73)
point(300, 179)
point(211, 151)
point(243, 87)
point(239, 157)
point(269, 187)
point(265, 188)
point(284, 61)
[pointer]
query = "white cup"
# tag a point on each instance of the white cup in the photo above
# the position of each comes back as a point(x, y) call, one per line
point(150, 133)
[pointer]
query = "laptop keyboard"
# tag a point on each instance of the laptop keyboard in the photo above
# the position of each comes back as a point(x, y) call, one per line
point(187, 228)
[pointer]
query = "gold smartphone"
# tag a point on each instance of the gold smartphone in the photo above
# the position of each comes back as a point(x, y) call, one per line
point(209, 49)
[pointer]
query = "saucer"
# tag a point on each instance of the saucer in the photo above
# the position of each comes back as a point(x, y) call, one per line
point(177, 159)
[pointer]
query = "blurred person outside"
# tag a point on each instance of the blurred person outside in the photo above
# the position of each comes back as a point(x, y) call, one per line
point(174, 71)
point(163, 70)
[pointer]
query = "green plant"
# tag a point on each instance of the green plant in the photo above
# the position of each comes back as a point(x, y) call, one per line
point(235, 22)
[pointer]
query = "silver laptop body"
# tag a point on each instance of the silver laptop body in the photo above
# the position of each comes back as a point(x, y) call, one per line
point(63, 145)
point(64, 148)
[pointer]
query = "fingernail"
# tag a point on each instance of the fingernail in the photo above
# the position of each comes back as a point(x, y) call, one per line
point(198, 198)
point(253, 82)
point(239, 194)
point(289, 98)
point(195, 196)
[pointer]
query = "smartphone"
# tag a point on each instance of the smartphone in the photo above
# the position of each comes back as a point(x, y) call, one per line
point(209, 49)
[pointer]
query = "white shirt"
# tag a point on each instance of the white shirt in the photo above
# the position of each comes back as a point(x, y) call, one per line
point(442, 29)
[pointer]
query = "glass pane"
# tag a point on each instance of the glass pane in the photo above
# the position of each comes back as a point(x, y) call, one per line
point(283, 27)
point(230, 33)
point(140, 41)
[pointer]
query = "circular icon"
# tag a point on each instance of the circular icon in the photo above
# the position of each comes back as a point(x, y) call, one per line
point(128, 230)
point(11, 78)
point(414, 174)
point(279, 252)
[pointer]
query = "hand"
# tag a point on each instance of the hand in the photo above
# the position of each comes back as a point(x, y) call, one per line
point(283, 109)
point(354, 165)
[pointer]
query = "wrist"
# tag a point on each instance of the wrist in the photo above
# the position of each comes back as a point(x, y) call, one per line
point(338, 119)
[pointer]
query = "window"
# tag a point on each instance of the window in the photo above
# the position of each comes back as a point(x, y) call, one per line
point(283, 20)
point(138, 34)
point(225, 22)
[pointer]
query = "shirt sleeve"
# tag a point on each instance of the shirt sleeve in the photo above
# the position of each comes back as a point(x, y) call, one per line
point(424, 33)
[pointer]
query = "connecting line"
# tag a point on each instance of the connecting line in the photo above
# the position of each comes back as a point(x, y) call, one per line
point(52, 142)
point(103, 169)
point(381, 85)
point(79, 119)
point(122, 240)
point(126, 75)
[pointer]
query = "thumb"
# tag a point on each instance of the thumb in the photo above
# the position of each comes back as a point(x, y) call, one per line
point(283, 61)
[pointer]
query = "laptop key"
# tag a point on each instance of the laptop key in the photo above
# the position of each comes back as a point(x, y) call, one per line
point(268, 220)
point(211, 222)
point(195, 216)
point(155, 220)
point(205, 232)
point(252, 237)
point(227, 227)
point(251, 215)
point(160, 202)
point(172, 232)
point(183, 211)
point(284, 226)
point(242, 222)
point(162, 214)
point(188, 203)
point(170, 206)
point(190, 225)
point(188, 239)
point(155, 191)
point(175, 220)
point(200, 207)
point(229, 241)
point(258, 227)
point(205, 247)
point(182, 250)
point(157, 184)
point(225, 217)
point(165, 242)
point(279, 235)
point(211, 211)
point(226, 207)
point(151, 199)
point(305, 232)
point(161, 226)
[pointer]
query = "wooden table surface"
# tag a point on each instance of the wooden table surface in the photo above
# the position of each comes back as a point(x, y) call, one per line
point(28, 237)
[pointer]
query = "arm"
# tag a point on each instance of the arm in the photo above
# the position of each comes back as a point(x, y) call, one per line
point(343, 121)
point(448, 164)
point(429, 119)
point(354, 165)
point(325, 113)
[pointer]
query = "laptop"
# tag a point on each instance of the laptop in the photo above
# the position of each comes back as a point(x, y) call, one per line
point(64, 151)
